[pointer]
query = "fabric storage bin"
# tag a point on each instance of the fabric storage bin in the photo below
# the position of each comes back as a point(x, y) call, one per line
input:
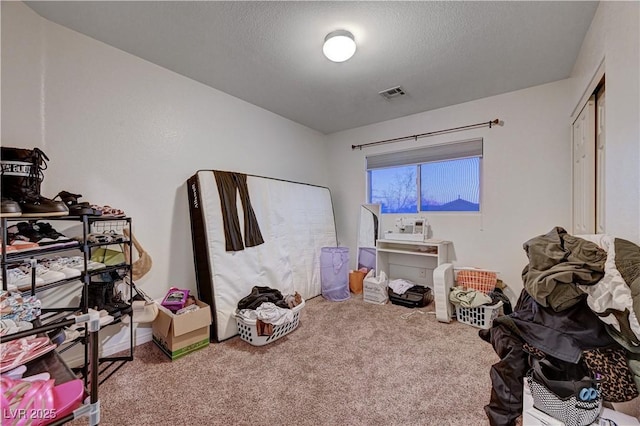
point(480, 317)
point(334, 273)
point(249, 331)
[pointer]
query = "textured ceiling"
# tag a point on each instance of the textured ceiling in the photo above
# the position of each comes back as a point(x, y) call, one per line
point(270, 53)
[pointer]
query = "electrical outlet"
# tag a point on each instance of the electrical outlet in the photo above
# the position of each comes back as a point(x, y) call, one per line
point(422, 273)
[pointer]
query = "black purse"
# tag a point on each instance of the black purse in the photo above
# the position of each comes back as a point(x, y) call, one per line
point(564, 391)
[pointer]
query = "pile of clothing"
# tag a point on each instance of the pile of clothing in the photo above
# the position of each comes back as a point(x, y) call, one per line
point(580, 304)
point(268, 307)
point(472, 298)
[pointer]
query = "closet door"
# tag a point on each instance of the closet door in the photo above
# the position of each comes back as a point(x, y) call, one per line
point(600, 145)
point(584, 170)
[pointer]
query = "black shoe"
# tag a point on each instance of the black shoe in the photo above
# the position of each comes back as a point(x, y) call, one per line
point(42, 207)
point(41, 233)
point(96, 300)
point(23, 231)
point(49, 233)
point(77, 208)
point(22, 174)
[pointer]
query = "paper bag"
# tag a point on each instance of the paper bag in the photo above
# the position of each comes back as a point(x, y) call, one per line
point(356, 281)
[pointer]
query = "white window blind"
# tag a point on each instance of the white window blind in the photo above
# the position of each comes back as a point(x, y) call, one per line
point(428, 154)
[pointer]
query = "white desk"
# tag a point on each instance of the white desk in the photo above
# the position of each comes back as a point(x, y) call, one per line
point(411, 260)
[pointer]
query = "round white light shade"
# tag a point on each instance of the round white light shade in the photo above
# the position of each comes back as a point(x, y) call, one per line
point(339, 46)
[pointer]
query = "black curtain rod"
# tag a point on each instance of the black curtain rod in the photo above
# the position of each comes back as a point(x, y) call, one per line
point(422, 135)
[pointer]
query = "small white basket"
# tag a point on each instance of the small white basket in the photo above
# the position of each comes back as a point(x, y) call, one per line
point(480, 317)
point(249, 332)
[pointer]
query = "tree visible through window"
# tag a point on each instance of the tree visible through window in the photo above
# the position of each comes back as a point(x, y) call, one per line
point(395, 189)
point(450, 185)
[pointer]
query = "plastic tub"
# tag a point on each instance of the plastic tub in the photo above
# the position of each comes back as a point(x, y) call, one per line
point(249, 331)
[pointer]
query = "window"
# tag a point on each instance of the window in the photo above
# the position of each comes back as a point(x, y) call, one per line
point(395, 189)
point(443, 177)
point(450, 186)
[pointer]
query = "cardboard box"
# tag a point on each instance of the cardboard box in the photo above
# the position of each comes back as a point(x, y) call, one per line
point(179, 335)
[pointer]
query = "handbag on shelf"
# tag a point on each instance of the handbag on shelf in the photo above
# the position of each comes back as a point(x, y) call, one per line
point(565, 393)
point(108, 256)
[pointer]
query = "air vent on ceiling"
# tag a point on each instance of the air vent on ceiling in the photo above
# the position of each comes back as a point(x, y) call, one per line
point(392, 93)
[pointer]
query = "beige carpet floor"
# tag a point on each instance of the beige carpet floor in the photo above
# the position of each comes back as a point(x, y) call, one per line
point(348, 363)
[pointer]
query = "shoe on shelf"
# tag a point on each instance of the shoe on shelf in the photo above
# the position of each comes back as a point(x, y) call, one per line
point(59, 265)
point(27, 396)
point(77, 262)
point(106, 237)
point(41, 233)
point(22, 175)
point(19, 245)
point(77, 208)
point(10, 208)
point(10, 287)
point(16, 373)
point(63, 335)
point(18, 241)
point(40, 376)
point(20, 351)
point(21, 278)
point(9, 326)
point(108, 211)
point(48, 276)
point(49, 234)
point(105, 318)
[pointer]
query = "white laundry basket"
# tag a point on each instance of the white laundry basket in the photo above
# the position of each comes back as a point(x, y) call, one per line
point(480, 317)
point(249, 332)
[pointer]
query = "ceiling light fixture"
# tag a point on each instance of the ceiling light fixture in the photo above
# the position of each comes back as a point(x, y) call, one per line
point(339, 46)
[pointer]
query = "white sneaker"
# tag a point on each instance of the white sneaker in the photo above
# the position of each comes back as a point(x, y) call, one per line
point(58, 265)
point(105, 318)
point(77, 262)
point(8, 326)
point(19, 278)
point(16, 373)
point(10, 287)
point(44, 273)
point(70, 334)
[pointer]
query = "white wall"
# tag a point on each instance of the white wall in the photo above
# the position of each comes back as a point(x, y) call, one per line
point(613, 38)
point(527, 167)
point(526, 180)
point(22, 71)
point(124, 132)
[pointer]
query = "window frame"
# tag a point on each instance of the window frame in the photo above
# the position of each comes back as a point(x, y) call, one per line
point(450, 150)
